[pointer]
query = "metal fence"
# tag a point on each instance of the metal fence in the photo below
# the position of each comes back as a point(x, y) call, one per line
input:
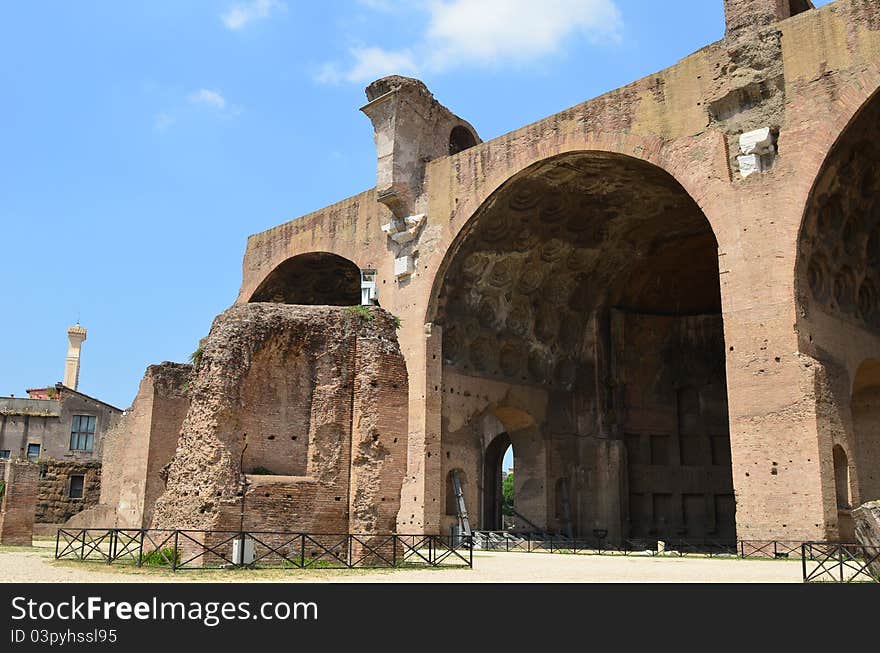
point(825, 562)
point(546, 543)
point(199, 549)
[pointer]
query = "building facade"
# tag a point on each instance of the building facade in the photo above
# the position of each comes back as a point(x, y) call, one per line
point(666, 298)
point(61, 430)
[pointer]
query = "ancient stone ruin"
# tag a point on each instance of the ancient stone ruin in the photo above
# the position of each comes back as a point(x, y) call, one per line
point(665, 299)
point(309, 404)
point(18, 502)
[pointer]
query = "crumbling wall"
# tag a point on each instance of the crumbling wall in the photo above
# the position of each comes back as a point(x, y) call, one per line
point(54, 503)
point(137, 450)
point(18, 504)
point(344, 369)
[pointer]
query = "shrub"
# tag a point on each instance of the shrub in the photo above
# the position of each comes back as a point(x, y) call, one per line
point(161, 558)
point(362, 312)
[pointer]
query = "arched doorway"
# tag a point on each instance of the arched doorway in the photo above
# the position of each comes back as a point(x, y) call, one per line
point(842, 492)
point(316, 278)
point(586, 292)
point(493, 483)
point(837, 280)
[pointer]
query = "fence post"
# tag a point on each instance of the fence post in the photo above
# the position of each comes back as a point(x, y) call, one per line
point(394, 550)
point(140, 561)
point(840, 561)
point(82, 547)
point(113, 536)
point(174, 552)
point(240, 561)
point(57, 541)
point(804, 560)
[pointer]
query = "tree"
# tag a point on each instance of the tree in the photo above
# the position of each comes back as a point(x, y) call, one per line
point(507, 495)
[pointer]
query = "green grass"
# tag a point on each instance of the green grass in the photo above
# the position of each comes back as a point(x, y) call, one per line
point(362, 312)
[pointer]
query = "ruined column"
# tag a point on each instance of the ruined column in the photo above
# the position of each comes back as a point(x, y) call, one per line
point(19, 503)
point(378, 442)
point(76, 336)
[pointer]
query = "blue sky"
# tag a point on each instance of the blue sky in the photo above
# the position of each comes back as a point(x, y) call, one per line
point(141, 143)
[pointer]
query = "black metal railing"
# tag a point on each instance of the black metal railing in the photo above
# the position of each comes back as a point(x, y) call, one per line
point(546, 543)
point(827, 562)
point(200, 549)
point(776, 549)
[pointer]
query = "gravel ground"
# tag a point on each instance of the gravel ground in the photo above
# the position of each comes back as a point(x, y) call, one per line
point(36, 565)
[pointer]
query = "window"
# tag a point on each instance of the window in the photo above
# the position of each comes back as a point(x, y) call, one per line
point(4, 454)
point(461, 139)
point(82, 434)
point(77, 482)
point(33, 451)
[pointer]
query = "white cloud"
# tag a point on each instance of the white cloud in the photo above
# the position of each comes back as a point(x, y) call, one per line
point(489, 31)
point(238, 16)
point(369, 64)
point(482, 32)
point(209, 98)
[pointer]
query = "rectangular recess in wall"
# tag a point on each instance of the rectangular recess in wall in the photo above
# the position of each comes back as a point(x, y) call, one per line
point(663, 513)
point(694, 512)
point(640, 514)
point(660, 450)
point(633, 443)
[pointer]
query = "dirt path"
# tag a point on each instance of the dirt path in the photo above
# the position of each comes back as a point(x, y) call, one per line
point(36, 565)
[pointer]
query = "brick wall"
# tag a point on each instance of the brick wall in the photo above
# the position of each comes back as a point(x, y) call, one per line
point(349, 377)
point(18, 505)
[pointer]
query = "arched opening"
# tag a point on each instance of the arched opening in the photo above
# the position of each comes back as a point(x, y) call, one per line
point(838, 273)
point(508, 490)
point(842, 491)
point(492, 518)
point(866, 431)
point(461, 139)
point(586, 291)
point(837, 280)
point(316, 278)
point(841, 478)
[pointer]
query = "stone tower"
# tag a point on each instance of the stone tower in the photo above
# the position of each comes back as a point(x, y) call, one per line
point(76, 336)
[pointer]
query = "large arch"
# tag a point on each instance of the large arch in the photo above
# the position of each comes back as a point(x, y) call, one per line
point(585, 291)
point(837, 283)
point(314, 278)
